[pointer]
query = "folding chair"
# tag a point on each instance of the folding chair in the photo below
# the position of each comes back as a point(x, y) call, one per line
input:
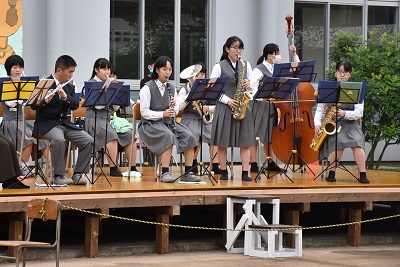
point(45, 210)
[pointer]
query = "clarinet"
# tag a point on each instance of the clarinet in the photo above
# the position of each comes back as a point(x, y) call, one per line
point(172, 125)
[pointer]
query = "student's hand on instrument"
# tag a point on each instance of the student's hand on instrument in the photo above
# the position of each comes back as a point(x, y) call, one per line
point(317, 128)
point(340, 113)
point(173, 102)
point(246, 83)
point(293, 49)
point(62, 93)
point(48, 99)
point(233, 103)
point(169, 113)
point(206, 108)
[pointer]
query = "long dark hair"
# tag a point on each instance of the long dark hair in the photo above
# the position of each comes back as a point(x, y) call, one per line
point(160, 63)
point(100, 63)
point(231, 40)
point(269, 49)
point(346, 65)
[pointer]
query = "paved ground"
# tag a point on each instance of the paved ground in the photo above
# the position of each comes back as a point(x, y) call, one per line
point(387, 256)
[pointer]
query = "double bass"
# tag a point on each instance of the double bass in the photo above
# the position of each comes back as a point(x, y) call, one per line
point(295, 130)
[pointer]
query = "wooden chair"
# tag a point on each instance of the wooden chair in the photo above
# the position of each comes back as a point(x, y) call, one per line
point(43, 209)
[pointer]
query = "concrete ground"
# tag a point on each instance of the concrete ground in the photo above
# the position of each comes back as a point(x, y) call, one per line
point(387, 255)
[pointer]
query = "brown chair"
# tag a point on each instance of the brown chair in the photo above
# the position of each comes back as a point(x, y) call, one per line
point(43, 209)
point(29, 114)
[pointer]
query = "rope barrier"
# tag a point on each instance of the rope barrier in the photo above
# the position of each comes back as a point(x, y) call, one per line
point(227, 229)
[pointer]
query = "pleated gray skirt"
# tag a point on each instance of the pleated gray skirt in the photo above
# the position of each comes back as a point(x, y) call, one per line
point(158, 137)
point(350, 135)
point(194, 125)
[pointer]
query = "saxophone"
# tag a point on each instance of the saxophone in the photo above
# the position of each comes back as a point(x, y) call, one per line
point(241, 95)
point(328, 127)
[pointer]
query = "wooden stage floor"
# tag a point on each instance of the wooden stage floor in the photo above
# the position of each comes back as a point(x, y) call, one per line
point(166, 199)
point(147, 183)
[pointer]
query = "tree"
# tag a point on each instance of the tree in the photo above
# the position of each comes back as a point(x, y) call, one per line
point(376, 61)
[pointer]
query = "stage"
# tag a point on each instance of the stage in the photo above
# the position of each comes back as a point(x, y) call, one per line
point(166, 199)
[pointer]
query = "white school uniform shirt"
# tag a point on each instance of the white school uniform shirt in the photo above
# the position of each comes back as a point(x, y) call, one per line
point(216, 73)
point(145, 97)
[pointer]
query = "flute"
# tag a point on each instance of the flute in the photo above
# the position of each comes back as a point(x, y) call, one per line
point(58, 89)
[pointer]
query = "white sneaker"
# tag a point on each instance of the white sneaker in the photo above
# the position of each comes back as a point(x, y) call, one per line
point(190, 177)
point(167, 178)
point(62, 179)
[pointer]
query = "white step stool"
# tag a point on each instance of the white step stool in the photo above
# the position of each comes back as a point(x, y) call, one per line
point(272, 235)
point(252, 215)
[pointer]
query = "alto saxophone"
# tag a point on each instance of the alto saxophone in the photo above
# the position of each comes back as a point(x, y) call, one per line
point(328, 127)
point(241, 95)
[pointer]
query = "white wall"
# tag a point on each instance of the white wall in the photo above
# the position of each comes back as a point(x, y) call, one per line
point(79, 28)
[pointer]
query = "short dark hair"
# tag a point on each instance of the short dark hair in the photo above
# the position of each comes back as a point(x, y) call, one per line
point(160, 63)
point(12, 61)
point(64, 62)
point(346, 65)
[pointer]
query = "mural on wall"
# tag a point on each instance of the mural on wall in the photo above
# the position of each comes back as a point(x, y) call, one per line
point(10, 30)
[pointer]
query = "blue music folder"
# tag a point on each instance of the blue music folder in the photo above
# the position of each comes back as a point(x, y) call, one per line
point(304, 70)
point(276, 87)
point(123, 96)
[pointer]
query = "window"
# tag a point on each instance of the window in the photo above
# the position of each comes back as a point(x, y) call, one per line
point(382, 18)
point(124, 38)
point(309, 34)
point(193, 32)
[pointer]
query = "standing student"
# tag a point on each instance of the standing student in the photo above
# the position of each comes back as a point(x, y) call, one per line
point(350, 134)
point(52, 123)
point(150, 68)
point(10, 173)
point(192, 119)
point(12, 116)
point(228, 131)
point(158, 129)
point(264, 112)
point(105, 134)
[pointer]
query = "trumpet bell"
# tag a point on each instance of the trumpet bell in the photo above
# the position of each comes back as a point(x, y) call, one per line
point(190, 72)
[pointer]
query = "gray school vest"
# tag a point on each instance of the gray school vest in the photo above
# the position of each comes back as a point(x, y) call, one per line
point(158, 102)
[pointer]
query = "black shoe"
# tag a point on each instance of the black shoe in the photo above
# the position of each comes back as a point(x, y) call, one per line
point(254, 168)
point(224, 176)
point(217, 171)
point(363, 180)
point(14, 183)
point(115, 172)
point(273, 167)
point(331, 177)
point(246, 178)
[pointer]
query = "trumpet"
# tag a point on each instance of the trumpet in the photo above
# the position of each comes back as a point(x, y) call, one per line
point(57, 89)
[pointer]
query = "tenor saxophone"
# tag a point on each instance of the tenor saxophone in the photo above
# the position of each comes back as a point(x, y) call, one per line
point(328, 127)
point(241, 95)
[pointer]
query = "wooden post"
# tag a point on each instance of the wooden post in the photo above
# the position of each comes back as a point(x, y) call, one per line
point(92, 236)
point(292, 212)
point(15, 232)
point(354, 230)
point(162, 234)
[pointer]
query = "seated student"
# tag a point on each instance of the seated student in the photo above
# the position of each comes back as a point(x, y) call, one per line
point(10, 173)
point(150, 67)
point(191, 118)
point(105, 134)
point(12, 124)
point(54, 125)
point(158, 129)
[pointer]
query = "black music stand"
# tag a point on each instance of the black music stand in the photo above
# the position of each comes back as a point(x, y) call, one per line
point(17, 90)
point(99, 94)
point(336, 92)
point(35, 101)
point(304, 70)
point(277, 88)
point(207, 92)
